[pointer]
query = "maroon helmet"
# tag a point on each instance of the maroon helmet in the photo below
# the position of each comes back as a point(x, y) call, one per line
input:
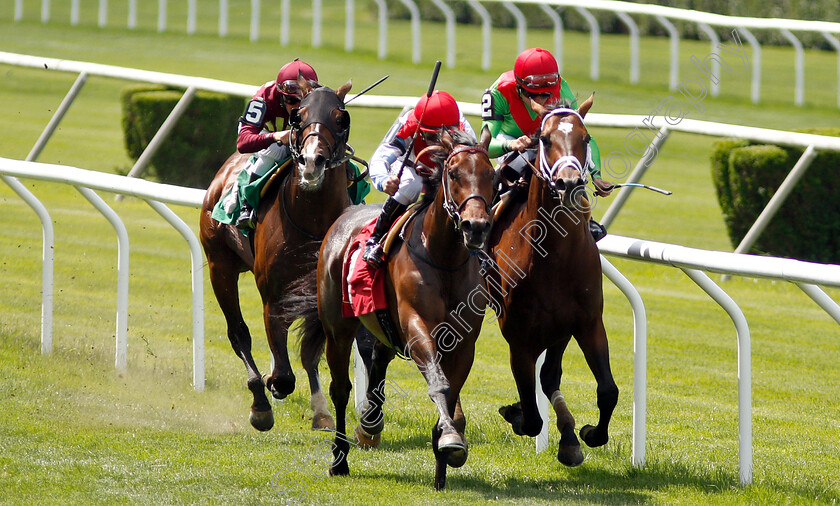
point(287, 83)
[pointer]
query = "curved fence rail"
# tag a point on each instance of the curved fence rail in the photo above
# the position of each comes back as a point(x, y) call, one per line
point(694, 262)
point(707, 23)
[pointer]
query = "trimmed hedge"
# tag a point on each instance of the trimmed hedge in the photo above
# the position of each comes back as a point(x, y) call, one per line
point(746, 176)
point(199, 144)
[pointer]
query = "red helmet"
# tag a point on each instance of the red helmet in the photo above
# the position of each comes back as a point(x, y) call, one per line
point(438, 110)
point(536, 71)
point(287, 77)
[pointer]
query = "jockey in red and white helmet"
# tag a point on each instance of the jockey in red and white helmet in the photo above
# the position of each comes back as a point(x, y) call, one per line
point(259, 132)
point(428, 116)
point(506, 111)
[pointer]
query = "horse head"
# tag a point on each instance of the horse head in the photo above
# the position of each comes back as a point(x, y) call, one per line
point(467, 185)
point(320, 127)
point(564, 154)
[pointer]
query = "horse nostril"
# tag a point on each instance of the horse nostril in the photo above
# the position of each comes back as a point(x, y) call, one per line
point(320, 160)
point(466, 225)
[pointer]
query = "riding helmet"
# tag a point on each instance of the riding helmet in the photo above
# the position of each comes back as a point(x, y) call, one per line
point(536, 71)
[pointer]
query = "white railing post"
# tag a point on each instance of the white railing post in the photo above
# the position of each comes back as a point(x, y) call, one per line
point(45, 11)
point(255, 20)
point(161, 24)
point(18, 10)
point(594, 42)
point(382, 50)
point(633, 28)
point(223, 18)
point(192, 9)
point(674, 36)
point(486, 35)
point(316, 23)
point(450, 31)
point(558, 34)
point(713, 37)
point(103, 13)
point(415, 29)
point(57, 117)
point(521, 25)
point(836, 45)
point(132, 14)
point(742, 330)
point(755, 90)
point(349, 24)
point(541, 441)
point(284, 22)
point(799, 93)
point(74, 12)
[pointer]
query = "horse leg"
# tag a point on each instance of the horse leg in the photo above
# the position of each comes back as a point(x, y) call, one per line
point(371, 419)
point(321, 418)
point(523, 416)
point(457, 370)
point(339, 346)
point(595, 349)
point(568, 452)
point(281, 382)
point(225, 284)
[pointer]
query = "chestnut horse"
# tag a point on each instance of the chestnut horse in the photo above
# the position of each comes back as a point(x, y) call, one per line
point(428, 280)
point(292, 218)
point(547, 281)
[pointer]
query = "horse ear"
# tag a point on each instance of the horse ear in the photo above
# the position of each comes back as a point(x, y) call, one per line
point(342, 91)
point(305, 87)
point(445, 139)
point(586, 105)
point(486, 137)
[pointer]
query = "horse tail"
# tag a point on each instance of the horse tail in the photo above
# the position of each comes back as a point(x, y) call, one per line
point(301, 304)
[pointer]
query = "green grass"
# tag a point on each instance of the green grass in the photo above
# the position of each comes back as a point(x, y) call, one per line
point(73, 430)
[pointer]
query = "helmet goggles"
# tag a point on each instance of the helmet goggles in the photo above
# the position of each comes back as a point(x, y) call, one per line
point(290, 88)
point(539, 82)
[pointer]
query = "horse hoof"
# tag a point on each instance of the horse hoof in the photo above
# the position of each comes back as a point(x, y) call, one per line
point(454, 447)
point(261, 420)
point(375, 428)
point(570, 456)
point(458, 458)
point(367, 440)
point(323, 422)
point(589, 434)
point(513, 415)
point(341, 469)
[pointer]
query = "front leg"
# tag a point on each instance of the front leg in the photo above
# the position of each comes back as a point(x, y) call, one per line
point(596, 351)
point(371, 419)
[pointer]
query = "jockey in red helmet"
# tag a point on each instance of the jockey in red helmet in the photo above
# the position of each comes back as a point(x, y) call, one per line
point(259, 132)
point(428, 116)
point(506, 111)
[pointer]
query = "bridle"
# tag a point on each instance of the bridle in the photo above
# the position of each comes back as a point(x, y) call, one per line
point(452, 209)
point(320, 118)
point(547, 172)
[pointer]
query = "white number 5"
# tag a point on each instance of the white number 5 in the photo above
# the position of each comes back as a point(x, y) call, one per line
point(255, 112)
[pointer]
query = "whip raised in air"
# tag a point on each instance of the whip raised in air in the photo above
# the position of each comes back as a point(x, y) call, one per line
point(639, 185)
point(372, 86)
point(408, 151)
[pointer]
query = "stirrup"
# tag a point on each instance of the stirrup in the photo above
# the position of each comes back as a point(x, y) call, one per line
point(246, 219)
point(374, 254)
point(597, 230)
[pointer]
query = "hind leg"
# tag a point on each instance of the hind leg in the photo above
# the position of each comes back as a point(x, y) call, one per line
point(372, 419)
point(595, 349)
point(523, 416)
point(225, 283)
point(281, 381)
point(339, 347)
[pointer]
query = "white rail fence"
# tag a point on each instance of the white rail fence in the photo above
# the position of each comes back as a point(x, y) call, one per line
point(809, 277)
point(738, 26)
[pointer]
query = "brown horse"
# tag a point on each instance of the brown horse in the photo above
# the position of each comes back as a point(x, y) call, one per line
point(428, 280)
point(547, 280)
point(292, 218)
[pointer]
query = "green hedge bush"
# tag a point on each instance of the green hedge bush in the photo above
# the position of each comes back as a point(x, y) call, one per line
point(200, 142)
point(746, 176)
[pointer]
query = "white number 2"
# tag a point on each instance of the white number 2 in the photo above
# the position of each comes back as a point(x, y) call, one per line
point(487, 106)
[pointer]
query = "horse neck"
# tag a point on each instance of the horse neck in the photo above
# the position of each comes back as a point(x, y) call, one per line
point(321, 207)
point(444, 244)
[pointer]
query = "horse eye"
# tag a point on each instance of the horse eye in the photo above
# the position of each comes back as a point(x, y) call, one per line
point(587, 139)
point(545, 140)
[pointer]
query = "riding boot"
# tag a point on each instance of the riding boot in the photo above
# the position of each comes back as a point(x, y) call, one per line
point(598, 231)
point(374, 255)
point(247, 214)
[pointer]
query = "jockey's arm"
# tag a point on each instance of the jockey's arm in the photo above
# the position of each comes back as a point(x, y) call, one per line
point(383, 158)
point(494, 108)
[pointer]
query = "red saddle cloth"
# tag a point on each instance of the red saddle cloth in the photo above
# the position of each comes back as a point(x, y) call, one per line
point(363, 287)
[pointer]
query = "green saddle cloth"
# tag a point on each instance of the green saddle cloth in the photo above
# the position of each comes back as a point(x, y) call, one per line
point(250, 192)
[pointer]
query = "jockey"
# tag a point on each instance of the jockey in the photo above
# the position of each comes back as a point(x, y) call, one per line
point(439, 110)
point(506, 111)
point(275, 99)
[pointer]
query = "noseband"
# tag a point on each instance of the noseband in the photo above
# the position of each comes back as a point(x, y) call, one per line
point(453, 210)
point(547, 172)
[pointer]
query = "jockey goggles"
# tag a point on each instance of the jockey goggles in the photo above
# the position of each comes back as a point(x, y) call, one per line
point(290, 88)
point(539, 81)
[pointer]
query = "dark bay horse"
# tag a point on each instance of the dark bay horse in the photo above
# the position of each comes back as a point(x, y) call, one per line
point(547, 281)
point(293, 216)
point(428, 281)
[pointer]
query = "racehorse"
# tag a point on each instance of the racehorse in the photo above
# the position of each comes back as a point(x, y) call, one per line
point(547, 281)
point(432, 272)
point(292, 218)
